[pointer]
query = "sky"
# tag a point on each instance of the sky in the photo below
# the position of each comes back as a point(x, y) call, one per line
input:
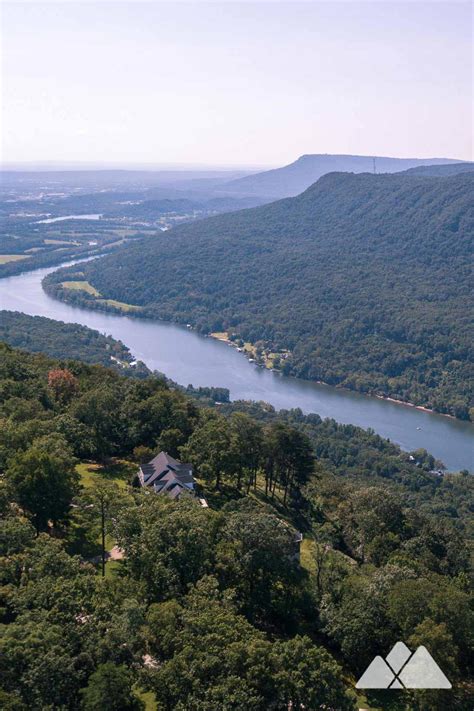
point(235, 84)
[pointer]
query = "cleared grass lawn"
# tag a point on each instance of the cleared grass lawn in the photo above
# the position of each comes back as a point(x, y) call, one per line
point(5, 258)
point(112, 568)
point(118, 470)
point(307, 555)
point(81, 286)
point(120, 305)
point(148, 698)
point(89, 289)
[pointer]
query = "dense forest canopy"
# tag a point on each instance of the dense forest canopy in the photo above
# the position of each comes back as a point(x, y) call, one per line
point(442, 171)
point(363, 281)
point(38, 334)
point(208, 608)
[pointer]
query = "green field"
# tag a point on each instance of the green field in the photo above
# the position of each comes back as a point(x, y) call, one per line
point(120, 305)
point(61, 241)
point(81, 286)
point(89, 289)
point(118, 470)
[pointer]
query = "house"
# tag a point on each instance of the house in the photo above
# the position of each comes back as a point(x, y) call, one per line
point(166, 475)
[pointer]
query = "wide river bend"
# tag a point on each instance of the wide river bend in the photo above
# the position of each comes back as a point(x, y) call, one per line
point(186, 357)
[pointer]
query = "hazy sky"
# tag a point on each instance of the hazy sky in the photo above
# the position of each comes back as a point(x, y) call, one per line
point(253, 83)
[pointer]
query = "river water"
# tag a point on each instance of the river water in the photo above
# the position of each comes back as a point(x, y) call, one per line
point(68, 217)
point(186, 357)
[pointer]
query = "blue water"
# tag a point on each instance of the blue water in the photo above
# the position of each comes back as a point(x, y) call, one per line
point(186, 357)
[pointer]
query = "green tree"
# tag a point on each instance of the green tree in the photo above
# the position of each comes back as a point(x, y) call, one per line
point(440, 644)
point(102, 503)
point(43, 484)
point(15, 535)
point(247, 437)
point(100, 410)
point(110, 687)
point(256, 557)
point(143, 454)
point(373, 523)
point(289, 459)
point(10, 702)
point(168, 544)
point(38, 662)
point(211, 449)
point(307, 677)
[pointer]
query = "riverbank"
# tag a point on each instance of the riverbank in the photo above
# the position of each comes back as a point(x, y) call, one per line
point(265, 358)
point(186, 356)
point(73, 286)
point(79, 292)
point(422, 408)
point(254, 353)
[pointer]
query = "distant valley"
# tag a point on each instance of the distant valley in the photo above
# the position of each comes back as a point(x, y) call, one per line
point(49, 217)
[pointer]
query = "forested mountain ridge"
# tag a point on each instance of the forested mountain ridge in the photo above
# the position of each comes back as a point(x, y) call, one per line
point(365, 279)
point(441, 171)
point(215, 594)
point(292, 179)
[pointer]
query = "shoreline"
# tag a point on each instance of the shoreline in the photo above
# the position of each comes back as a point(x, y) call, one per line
point(452, 445)
point(418, 407)
point(223, 339)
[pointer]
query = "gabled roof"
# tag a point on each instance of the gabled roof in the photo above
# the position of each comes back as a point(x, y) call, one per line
point(164, 470)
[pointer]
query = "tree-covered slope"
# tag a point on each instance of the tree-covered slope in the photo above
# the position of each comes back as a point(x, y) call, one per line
point(38, 334)
point(210, 604)
point(365, 279)
point(292, 179)
point(441, 171)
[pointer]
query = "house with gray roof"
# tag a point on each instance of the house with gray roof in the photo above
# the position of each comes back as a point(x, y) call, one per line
point(166, 475)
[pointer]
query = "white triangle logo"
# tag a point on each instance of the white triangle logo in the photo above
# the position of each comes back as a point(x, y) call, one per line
point(404, 670)
point(378, 675)
point(422, 672)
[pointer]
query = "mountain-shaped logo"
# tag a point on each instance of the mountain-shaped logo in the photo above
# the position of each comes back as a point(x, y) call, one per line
point(403, 669)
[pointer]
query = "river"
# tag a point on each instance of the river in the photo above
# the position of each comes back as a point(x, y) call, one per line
point(186, 357)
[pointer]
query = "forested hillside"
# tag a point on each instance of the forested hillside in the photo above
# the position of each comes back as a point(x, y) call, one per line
point(442, 171)
point(208, 608)
point(38, 334)
point(294, 178)
point(363, 281)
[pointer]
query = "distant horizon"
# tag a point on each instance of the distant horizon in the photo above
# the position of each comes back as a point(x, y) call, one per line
point(69, 166)
point(129, 165)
